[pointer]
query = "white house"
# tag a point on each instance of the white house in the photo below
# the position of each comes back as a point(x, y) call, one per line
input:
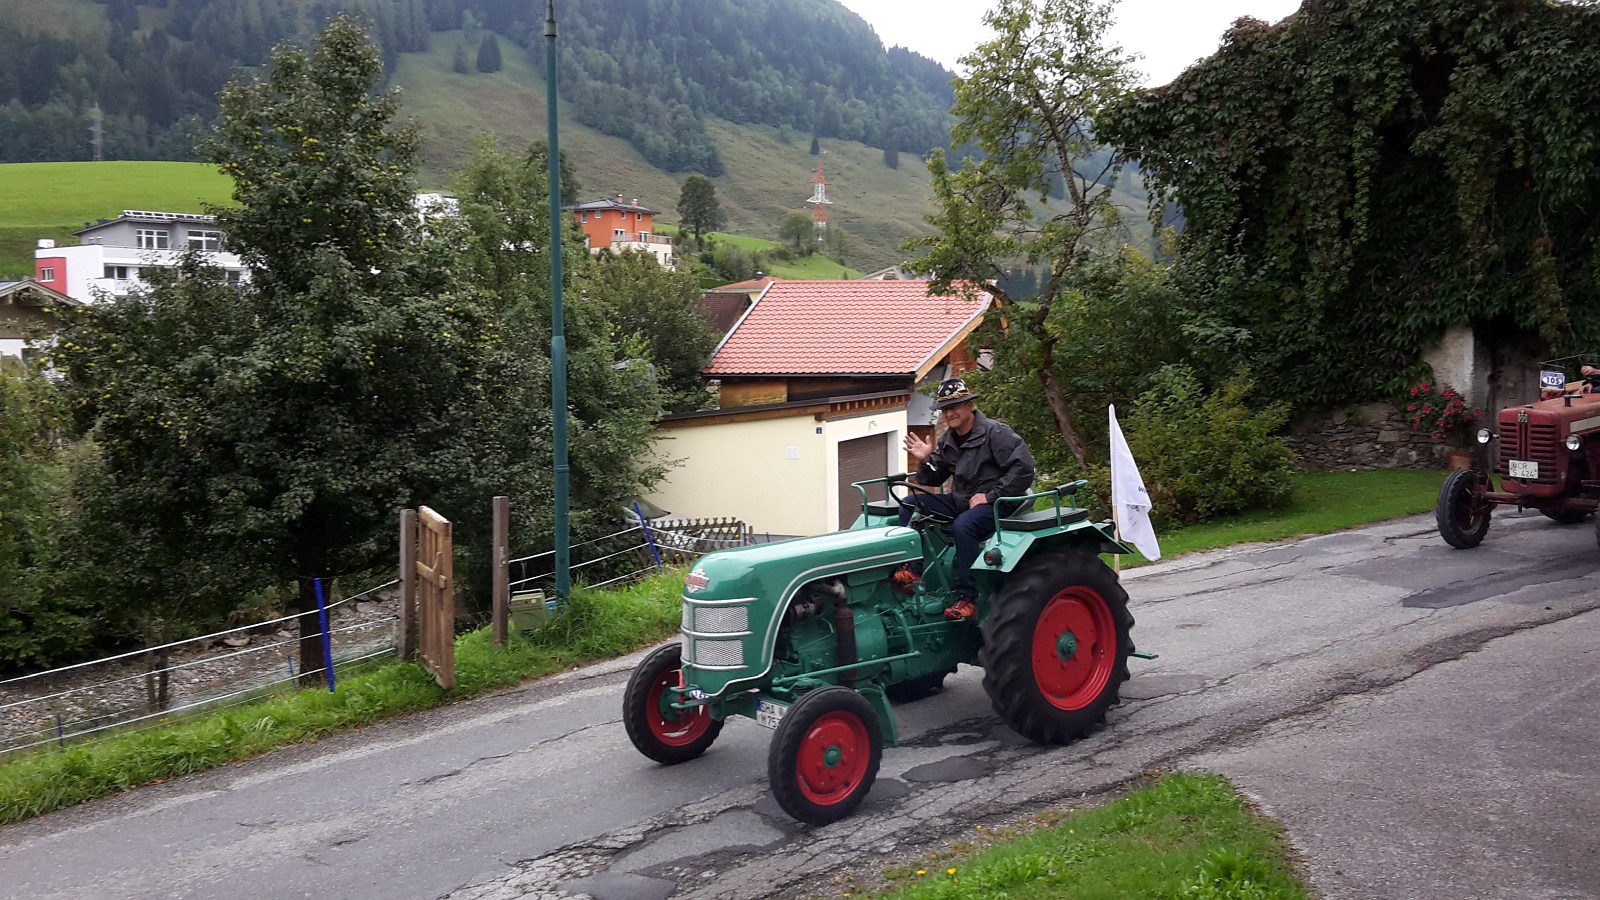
point(112, 253)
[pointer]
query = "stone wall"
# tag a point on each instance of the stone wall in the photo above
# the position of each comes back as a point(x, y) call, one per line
point(1370, 436)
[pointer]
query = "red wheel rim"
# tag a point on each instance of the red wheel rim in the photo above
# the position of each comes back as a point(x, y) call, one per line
point(1074, 648)
point(833, 758)
point(673, 727)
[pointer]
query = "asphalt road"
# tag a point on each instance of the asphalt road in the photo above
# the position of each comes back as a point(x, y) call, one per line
point(1423, 721)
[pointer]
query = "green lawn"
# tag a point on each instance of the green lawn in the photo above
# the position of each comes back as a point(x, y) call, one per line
point(815, 267)
point(1182, 836)
point(52, 200)
point(1322, 502)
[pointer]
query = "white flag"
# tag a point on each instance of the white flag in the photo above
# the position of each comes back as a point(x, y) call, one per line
point(1130, 502)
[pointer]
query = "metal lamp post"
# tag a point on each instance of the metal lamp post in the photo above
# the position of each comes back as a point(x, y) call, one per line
point(558, 334)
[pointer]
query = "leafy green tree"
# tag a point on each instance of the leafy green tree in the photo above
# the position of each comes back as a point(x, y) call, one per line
point(838, 244)
point(799, 232)
point(38, 624)
point(891, 157)
point(489, 54)
point(459, 63)
point(1028, 103)
point(663, 311)
point(698, 209)
point(816, 145)
point(612, 394)
point(267, 432)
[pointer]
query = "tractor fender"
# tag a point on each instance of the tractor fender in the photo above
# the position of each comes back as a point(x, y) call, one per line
point(1014, 546)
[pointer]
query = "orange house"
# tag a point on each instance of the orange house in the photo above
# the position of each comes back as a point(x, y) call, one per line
point(617, 225)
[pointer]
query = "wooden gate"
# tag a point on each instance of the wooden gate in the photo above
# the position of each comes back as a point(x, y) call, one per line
point(436, 596)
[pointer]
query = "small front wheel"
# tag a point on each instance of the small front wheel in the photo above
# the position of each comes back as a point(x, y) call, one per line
point(660, 732)
point(825, 754)
point(1461, 512)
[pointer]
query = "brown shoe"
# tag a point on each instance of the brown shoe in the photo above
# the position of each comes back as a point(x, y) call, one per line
point(962, 610)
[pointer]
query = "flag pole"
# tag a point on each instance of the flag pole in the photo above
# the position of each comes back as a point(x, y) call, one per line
point(1116, 531)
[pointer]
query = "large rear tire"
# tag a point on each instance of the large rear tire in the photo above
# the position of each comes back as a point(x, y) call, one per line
point(665, 735)
point(1055, 646)
point(825, 755)
point(1461, 513)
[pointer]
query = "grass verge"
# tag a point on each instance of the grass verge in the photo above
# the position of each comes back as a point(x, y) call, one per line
point(1322, 502)
point(597, 625)
point(1182, 836)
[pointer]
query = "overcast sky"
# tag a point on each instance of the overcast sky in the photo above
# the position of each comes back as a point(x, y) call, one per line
point(1168, 34)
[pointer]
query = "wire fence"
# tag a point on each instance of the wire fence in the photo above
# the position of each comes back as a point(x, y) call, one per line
point(632, 553)
point(154, 686)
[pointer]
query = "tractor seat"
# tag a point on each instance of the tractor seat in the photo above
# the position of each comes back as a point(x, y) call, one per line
point(883, 508)
point(1041, 519)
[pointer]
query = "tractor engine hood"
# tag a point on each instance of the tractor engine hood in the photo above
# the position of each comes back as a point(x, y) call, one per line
point(733, 599)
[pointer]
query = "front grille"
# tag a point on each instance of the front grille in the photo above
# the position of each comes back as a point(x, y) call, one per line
point(721, 620)
point(1530, 441)
point(718, 653)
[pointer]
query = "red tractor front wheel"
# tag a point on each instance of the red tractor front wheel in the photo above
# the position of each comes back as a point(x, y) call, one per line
point(1055, 648)
point(825, 754)
point(1461, 511)
point(660, 732)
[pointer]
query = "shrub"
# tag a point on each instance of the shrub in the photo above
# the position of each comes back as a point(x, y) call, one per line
point(1439, 411)
point(1203, 454)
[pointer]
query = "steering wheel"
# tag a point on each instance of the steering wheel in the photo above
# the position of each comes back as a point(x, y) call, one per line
point(909, 487)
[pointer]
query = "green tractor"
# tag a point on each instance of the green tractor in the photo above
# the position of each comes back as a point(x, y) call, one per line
point(817, 637)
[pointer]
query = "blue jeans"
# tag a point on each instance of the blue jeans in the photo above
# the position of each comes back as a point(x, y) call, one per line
point(971, 528)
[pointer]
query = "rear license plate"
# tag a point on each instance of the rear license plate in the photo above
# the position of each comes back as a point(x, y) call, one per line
point(1523, 470)
point(769, 714)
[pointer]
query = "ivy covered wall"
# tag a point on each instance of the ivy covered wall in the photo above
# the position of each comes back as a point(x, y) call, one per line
point(1367, 173)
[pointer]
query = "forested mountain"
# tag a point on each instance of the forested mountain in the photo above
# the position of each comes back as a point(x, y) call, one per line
point(146, 74)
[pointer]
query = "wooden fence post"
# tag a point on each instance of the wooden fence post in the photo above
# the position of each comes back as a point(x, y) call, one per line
point(502, 569)
point(408, 584)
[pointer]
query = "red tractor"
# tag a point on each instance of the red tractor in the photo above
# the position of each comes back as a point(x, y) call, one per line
point(1549, 460)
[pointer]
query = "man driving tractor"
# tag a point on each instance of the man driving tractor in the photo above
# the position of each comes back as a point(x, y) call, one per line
point(983, 460)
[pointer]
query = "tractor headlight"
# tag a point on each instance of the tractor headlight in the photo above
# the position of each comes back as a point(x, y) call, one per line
point(1485, 435)
point(1574, 442)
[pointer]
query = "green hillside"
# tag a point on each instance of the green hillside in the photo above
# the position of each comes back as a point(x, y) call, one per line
point(765, 178)
point(52, 200)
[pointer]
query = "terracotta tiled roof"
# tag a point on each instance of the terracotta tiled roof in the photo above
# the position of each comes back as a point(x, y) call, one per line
point(749, 284)
point(726, 307)
point(843, 328)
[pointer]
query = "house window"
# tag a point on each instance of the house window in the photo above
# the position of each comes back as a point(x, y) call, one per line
point(120, 273)
point(619, 235)
point(205, 240)
point(644, 237)
point(152, 238)
point(583, 216)
point(234, 275)
point(47, 274)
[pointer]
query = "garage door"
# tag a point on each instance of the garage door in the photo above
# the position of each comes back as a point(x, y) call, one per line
point(859, 460)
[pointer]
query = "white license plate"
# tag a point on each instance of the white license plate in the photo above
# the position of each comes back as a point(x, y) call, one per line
point(1522, 469)
point(769, 713)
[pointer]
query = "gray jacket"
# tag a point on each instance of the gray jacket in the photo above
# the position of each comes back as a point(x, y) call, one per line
point(991, 460)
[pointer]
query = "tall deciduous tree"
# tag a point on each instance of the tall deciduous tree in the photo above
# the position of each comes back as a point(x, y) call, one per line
point(665, 312)
point(799, 232)
point(698, 209)
point(1028, 102)
point(268, 431)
